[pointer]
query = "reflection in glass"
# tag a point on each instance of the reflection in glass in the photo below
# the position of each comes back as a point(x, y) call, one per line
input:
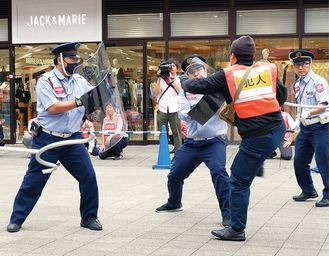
point(127, 72)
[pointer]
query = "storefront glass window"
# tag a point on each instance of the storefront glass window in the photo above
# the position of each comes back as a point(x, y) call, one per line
point(127, 70)
point(199, 23)
point(3, 29)
point(320, 48)
point(317, 20)
point(266, 22)
point(155, 54)
point(5, 85)
point(135, 25)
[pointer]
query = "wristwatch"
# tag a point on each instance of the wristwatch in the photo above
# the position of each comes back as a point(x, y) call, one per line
point(78, 102)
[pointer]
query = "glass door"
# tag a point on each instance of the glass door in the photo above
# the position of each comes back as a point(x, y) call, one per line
point(127, 64)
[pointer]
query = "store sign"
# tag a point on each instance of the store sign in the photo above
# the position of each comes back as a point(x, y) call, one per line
point(48, 21)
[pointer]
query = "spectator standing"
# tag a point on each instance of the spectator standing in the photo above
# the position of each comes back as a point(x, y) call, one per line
point(166, 90)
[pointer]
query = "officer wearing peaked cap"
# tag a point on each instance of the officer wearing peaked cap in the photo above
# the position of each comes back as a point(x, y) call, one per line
point(311, 89)
point(193, 62)
point(59, 116)
point(301, 56)
point(203, 144)
point(67, 49)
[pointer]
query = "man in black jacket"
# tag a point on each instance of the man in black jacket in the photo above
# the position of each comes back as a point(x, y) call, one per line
point(258, 119)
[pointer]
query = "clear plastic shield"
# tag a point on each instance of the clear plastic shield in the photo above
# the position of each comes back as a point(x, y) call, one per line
point(103, 103)
point(208, 104)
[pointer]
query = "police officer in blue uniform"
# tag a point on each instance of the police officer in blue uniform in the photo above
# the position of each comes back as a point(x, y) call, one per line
point(60, 111)
point(203, 144)
point(313, 138)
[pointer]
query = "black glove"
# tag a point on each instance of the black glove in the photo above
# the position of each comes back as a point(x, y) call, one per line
point(78, 102)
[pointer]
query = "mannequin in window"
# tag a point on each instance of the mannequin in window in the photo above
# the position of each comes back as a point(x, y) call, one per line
point(289, 78)
point(265, 54)
point(119, 79)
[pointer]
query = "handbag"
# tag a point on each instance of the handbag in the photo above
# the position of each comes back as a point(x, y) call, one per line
point(227, 111)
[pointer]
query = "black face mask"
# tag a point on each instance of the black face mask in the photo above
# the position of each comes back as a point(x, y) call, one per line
point(70, 68)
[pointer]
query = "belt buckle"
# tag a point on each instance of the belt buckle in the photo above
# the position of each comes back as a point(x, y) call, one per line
point(197, 139)
point(65, 135)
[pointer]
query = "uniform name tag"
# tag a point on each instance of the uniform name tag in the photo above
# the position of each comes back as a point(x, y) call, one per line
point(58, 89)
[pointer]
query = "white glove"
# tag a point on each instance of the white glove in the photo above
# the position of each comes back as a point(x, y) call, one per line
point(297, 122)
point(305, 114)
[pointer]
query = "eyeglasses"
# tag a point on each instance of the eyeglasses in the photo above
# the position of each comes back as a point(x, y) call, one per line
point(195, 71)
point(301, 65)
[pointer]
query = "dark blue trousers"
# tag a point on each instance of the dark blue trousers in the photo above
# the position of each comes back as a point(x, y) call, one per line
point(312, 139)
point(75, 159)
point(188, 157)
point(252, 153)
point(115, 149)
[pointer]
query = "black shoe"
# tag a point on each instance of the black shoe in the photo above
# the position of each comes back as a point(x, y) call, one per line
point(230, 234)
point(304, 196)
point(167, 208)
point(274, 154)
point(324, 202)
point(13, 227)
point(91, 222)
point(226, 221)
point(260, 172)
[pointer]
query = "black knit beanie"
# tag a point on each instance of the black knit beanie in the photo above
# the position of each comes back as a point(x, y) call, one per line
point(243, 46)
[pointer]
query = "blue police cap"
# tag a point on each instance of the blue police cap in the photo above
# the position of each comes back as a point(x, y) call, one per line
point(192, 62)
point(300, 56)
point(67, 49)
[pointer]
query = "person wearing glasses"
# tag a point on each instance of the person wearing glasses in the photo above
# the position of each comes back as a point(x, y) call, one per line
point(60, 111)
point(313, 137)
point(203, 144)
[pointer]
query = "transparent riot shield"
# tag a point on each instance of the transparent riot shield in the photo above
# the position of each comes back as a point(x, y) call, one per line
point(103, 103)
point(208, 105)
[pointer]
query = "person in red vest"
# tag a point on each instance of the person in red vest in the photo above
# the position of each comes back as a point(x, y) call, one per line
point(87, 127)
point(285, 146)
point(113, 143)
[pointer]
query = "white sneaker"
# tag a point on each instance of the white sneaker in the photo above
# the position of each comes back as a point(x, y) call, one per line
point(118, 157)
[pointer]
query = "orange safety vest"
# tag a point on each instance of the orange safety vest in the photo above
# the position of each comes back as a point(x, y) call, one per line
point(110, 124)
point(258, 95)
point(85, 129)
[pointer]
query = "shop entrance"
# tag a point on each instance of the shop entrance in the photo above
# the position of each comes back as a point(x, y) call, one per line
point(128, 68)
